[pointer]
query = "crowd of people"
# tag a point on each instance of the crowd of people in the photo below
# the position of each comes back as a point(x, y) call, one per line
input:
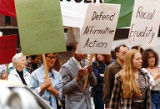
point(130, 81)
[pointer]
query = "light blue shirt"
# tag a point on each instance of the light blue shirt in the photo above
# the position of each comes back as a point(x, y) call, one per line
point(37, 79)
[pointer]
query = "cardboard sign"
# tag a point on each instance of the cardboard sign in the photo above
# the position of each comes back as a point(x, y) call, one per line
point(40, 26)
point(99, 29)
point(7, 48)
point(145, 23)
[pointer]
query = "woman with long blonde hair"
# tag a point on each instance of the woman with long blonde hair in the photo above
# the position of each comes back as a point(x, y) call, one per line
point(131, 87)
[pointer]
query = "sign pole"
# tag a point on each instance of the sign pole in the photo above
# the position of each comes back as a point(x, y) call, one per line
point(45, 65)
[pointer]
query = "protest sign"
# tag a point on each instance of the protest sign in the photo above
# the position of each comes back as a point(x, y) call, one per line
point(7, 8)
point(40, 26)
point(99, 29)
point(145, 23)
point(7, 48)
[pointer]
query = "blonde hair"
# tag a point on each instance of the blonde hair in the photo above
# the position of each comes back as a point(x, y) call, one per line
point(129, 83)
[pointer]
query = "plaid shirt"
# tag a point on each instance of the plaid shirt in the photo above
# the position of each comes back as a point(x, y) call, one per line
point(30, 67)
point(119, 102)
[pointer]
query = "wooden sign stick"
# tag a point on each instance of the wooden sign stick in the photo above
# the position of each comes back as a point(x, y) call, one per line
point(45, 65)
point(87, 74)
point(7, 71)
point(139, 48)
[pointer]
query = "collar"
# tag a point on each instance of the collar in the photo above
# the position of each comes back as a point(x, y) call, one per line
point(117, 64)
point(77, 62)
point(50, 73)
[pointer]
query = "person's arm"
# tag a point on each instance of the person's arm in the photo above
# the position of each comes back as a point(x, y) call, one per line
point(115, 98)
point(47, 83)
point(106, 86)
point(33, 83)
point(57, 89)
point(156, 76)
point(97, 73)
point(92, 78)
point(148, 99)
point(51, 89)
point(68, 84)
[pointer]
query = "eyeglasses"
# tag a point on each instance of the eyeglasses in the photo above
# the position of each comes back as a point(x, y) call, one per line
point(51, 57)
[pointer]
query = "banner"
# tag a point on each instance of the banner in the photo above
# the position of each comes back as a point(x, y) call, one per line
point(74, 11)
point(40, 26)
point(145, 23)
point(125, 12)
point(7, 48)
point(99, 29)
point(7, 8)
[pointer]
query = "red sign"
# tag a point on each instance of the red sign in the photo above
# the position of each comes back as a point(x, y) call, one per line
point(7, 48)
point(7, 7)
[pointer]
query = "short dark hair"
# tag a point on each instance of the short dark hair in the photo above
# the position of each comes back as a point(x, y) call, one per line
point(118, 47)
point(136, 48)
point(34, 56)
point(146, 56)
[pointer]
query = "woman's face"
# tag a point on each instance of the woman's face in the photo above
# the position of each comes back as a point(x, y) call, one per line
point(151, 59)
point(50, 59)
point(100, 57)
point(137, 61)
point(21, 62)
point(3, 75)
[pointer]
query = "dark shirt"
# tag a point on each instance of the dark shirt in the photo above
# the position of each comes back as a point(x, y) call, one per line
point(32, 66)
point(98, 68)
point(21, 76)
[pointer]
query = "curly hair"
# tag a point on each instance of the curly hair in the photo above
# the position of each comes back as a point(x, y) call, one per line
point(146, 56)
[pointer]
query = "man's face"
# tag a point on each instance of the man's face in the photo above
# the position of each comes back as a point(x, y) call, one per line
point(122, 52)
point(37, 59)
point(79, 57)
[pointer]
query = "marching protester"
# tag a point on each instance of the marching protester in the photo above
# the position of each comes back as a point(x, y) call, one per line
point(19, 74)
point(57, 64)
point(111, 70)
point(33, 63)
point(99, 65)
point(131, 87)
point(3, 75)
point(50, 89)
point(73, 77)
point(3, 72)
point(150, 62)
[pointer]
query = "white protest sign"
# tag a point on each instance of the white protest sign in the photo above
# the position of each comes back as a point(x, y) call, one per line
point(145, 23)
point(99, 29)
point(74, 11)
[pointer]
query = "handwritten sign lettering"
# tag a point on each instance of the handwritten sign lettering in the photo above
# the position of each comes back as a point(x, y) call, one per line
point(99, 29)
point(145, 23)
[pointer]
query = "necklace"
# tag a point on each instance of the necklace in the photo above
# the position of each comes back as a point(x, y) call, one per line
point(151, 67)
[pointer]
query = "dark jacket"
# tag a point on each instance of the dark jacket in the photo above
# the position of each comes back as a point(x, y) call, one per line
point(109, 77)
point(99, 68)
